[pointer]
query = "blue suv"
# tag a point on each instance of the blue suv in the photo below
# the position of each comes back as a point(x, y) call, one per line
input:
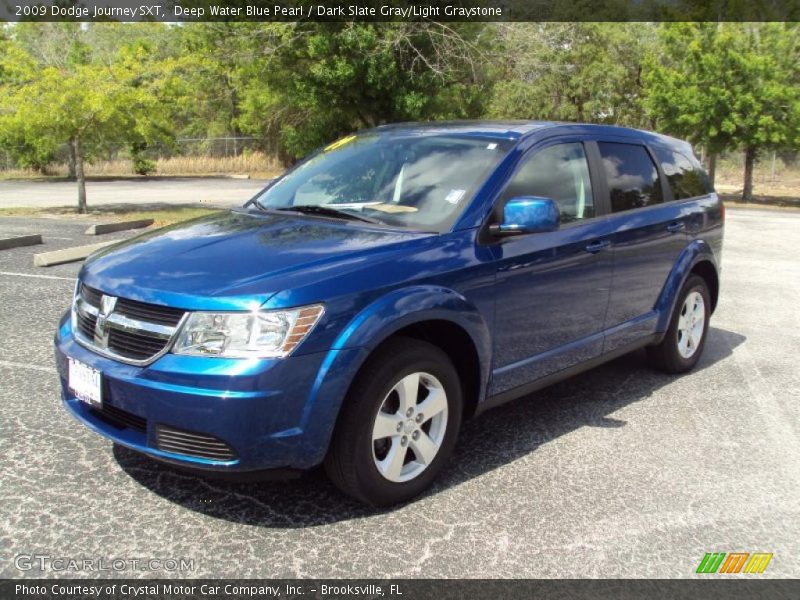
point(392, 284)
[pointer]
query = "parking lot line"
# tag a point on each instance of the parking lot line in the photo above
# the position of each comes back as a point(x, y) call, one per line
point(18, 365)
point(36, 276)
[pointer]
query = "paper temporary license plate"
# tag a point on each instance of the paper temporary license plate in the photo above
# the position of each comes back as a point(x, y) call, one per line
point(86, 382)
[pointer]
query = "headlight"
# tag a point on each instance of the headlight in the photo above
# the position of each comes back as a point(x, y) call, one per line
point(257, 334)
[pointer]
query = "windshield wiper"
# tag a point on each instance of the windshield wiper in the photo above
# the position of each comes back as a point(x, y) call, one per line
point(325, 211)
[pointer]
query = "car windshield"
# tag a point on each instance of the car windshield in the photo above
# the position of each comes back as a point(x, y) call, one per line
point(416, 182)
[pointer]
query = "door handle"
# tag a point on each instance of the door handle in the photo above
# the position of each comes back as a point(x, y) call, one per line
point(675, 226)
point(596, 246)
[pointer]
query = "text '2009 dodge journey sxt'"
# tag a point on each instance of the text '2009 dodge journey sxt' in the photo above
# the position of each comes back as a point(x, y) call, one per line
point(389, 286)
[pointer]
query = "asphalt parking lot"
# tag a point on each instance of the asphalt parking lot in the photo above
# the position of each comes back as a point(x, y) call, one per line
point(619, 472)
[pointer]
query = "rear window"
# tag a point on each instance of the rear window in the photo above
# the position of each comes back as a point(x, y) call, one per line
point(684, 174)
point(632, 176)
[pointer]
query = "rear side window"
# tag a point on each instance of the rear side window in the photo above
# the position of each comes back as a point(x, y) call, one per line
point(561, 173)
point(685, 176)
point(632, 176)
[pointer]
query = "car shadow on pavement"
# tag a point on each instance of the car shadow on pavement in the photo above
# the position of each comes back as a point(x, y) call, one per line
point(496, 438)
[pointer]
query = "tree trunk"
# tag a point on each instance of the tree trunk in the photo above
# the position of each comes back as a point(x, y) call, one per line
point(712, 167)
point(71, 162)
point(749, 162)
point(79, 175)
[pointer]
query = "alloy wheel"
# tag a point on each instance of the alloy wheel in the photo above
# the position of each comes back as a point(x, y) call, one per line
point(691, 324)
point(409, 427)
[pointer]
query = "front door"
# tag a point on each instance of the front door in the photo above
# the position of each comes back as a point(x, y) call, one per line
point(552, 288)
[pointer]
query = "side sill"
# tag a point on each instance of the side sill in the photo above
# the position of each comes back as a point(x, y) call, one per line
point(549, 380)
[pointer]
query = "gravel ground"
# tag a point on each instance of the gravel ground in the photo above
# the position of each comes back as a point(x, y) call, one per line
point(619, 472)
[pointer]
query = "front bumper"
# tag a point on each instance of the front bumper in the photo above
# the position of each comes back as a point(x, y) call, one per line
point(273, 413)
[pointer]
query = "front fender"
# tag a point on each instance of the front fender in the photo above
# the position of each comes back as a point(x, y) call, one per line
point(697, 251)
point(365, 332)
point(409, 305)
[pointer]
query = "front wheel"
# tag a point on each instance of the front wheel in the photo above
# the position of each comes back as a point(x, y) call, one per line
point(685, 338)
point(398, 425)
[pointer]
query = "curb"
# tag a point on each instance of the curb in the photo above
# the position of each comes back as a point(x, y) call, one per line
point(67, 255)
point(21, 240)
point(120, 226)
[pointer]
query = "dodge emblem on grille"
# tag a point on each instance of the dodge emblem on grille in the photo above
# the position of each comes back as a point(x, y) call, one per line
point(107, 304)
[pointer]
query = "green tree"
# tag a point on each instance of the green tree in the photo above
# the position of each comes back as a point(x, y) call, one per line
point(728, 86)
point(212, 59)
point(79, 98)
point(588, 72)
point(322, 80)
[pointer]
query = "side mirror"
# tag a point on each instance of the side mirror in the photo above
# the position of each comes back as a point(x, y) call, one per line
point(528, 214)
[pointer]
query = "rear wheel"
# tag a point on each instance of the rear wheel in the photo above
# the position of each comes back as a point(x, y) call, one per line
point(399, 424)
point(685, 338)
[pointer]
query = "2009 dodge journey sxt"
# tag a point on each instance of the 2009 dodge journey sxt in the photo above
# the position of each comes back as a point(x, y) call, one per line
point(392, 284)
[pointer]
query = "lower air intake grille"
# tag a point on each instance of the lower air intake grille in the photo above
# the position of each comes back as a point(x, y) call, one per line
point(121, 418)
point(199, 445)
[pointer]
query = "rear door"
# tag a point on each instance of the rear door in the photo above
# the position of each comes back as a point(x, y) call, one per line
point(649, 233)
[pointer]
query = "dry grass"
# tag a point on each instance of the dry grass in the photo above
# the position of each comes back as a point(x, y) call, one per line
point(781, 187)
point(255, 164)
point(162, 214)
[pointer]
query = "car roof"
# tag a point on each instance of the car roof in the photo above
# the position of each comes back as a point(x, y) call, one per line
point(519, 130)
point(504, 129)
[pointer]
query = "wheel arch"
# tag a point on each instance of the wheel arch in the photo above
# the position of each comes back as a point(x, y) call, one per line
point(696, 259)
point(459, 346)
point(708, 271)
point(434, 314)
point(437, 315)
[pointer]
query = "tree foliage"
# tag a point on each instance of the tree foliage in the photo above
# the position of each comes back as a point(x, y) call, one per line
point(728, 86)
point(321, 80)
point(298, 85)
point(64, 91)
point(573, 72)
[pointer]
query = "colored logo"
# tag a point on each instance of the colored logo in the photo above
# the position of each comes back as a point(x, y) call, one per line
point(735, 562)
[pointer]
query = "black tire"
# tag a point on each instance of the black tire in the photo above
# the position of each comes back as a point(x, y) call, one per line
point(350, 462)
point(665, 356)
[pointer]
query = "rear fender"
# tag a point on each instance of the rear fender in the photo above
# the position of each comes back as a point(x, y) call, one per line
point(696, 252)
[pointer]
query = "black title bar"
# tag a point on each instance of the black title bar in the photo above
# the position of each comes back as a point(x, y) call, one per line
point(394, 10)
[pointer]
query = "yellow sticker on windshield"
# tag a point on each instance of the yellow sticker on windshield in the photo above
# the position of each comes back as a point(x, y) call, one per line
point(340, 143)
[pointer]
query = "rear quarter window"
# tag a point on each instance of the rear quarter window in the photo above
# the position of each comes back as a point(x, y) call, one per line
point(685, 176)
point(632, 177)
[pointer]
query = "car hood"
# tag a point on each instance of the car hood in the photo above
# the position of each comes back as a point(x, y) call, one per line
point(237, 259)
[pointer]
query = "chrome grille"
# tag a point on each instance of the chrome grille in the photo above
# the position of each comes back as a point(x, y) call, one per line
point(190, 443)
point(126, 330)
point(86, 325)
point(152, 313)
point(134, 345)
point(91, 295)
